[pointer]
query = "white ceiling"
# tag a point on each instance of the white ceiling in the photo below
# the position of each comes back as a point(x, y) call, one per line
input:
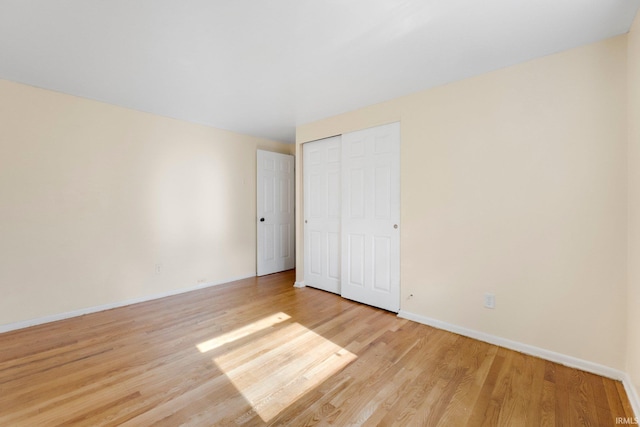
point(264, 67)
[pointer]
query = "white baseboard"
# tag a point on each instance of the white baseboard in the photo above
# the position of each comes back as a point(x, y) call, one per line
point(632, 394)
point(563, 359)
point(80, 312)
point(542, 353)
point(299, 284)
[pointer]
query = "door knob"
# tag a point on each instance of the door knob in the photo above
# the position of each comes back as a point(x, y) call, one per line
point(395, 225)
point(261, 219)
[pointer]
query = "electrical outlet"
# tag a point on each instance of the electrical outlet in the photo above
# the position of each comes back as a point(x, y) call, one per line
point(489, 300)
point(158, 268)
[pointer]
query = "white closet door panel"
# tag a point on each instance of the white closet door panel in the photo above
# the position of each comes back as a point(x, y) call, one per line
point(315, 253)
point(371, 216)
point(333, 192)
point(322, 211)
point(333, 256)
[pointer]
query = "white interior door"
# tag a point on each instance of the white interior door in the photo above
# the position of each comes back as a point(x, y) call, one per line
point(371, 216)
point(322, 214)
point(275, 209)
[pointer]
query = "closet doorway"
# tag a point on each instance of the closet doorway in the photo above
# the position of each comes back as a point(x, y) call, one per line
point(352, 215)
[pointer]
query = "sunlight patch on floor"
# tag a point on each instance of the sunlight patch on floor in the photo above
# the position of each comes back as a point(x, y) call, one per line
point(274, 371)
point(240, 333)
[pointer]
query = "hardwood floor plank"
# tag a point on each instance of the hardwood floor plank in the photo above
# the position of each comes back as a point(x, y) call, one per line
point(512, 409)
point(259, 352)
point(499, 393)
point(547, 404)
point(475, 365)
point(622, 395)
point(532, 391)
point(424, 382)
point(484, 407)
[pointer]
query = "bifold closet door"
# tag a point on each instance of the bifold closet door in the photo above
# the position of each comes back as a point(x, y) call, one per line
point(322, 214)
point(371, 216)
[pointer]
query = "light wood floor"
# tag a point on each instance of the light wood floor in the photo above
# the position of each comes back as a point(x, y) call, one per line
point(260, 352)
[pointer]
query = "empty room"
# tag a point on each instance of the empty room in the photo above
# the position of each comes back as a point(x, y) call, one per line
point(299, 213)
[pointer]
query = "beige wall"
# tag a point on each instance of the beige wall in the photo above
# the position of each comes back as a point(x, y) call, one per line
point(633, 354)
point(94, 196)
point(515, 182)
